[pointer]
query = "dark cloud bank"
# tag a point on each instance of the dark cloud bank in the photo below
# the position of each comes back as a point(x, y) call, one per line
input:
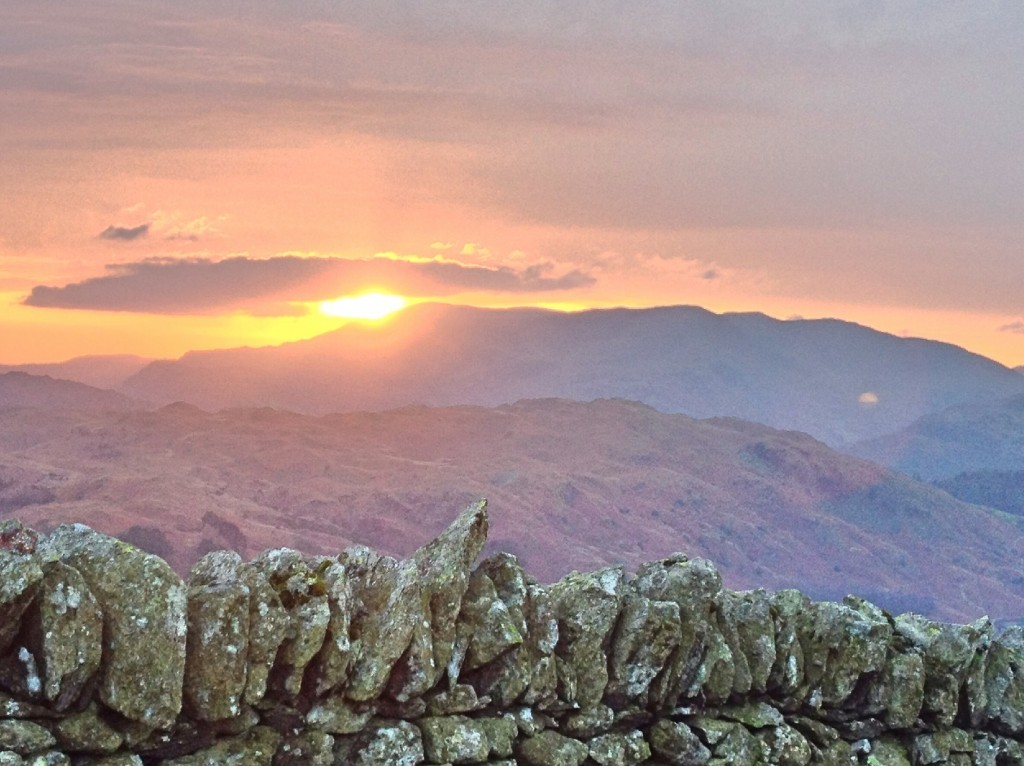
point(178, 286)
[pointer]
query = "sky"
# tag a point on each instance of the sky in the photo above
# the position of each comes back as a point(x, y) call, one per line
point(190, 175)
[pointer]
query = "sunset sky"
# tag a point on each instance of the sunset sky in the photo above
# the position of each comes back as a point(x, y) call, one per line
point(204, 174)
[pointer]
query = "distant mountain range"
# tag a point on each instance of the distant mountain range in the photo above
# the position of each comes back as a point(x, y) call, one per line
point(105, 371)
point(837, 381)
point(967, 438)
point(19, 389)
point(571, 485)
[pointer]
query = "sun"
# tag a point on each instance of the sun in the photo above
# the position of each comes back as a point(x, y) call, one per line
point(365, 306)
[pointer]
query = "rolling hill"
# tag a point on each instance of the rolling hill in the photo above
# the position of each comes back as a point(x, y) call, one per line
point(571, 485)
point(837, 381)
point(968, 438)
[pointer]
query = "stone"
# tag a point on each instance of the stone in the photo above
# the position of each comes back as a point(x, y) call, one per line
point(442, 572)
point(786, 746)
point(501, 733)
point(694, 585)
point(753, 715)
point(549, 748)
point(948, 652)
point(486, 629)
point(587, 608)
point(218, 637)
point(383, 743)
point(888, 751)
point(1004, 683)
point(24, 737)
point(453, 739)
point(337, 715)
point(526, 672)
point(849, 640)
point(460, 698)
point(676, 744)
point(645, 636)
point(62, 640)
point(588, 723)
point(306, 748)
point(20, 574)
point(302, 592)
point(619, 749)
point(745, 620)
point(87, 732)
point(144, 605)
point(899, 692)
point(268, 624)
point(255, 747)
point(329, 669)
point(387, 608)
point(787, 677)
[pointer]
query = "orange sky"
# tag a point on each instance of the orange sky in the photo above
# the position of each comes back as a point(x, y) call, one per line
point(175, 177)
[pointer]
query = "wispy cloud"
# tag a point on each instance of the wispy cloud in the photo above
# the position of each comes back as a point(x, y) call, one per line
point(1016, 326)
point(125, 233)
point(201, 285)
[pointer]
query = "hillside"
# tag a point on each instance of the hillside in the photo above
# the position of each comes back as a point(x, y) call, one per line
point(106, 371)
point(964, 439)
point(837, 381)
point(571, 485)
point(19, 389)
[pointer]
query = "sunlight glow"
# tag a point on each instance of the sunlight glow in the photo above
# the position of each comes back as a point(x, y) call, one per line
point(366, 306)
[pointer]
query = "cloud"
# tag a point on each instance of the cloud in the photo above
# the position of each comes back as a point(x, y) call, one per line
point(201, 285)
point(1016, 326)
point(710, 274)
point(125, 233)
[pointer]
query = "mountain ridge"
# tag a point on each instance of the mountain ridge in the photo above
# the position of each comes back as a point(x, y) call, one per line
point(838, 381)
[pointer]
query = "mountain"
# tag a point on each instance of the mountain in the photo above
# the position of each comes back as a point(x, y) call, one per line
point(19, 389)
point(103, 371)
point(837, 381)
point(571, 485)
point(965, 439)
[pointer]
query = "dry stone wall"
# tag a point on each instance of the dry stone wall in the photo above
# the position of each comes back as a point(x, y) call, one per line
point(108, 658)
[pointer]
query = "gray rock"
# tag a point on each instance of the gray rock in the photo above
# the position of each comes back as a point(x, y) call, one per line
point(24, 737)
point(619, 749)
point(948, 652)
point(442, 571)
point(549, 748)
point(302, 591)
point(66, 625)
point(306, 748)
point(1004, 683)
point(336, 715)
point(587, 607)
point(676, 744)
point(694, 585)
point(143, 604)
point(218, 637)
point(454, 739)
point(268, 625)
point(646, 635)
point(383, 743)
point(87, 732)
point(329, 668)
point(255, 747)
point(20, 573)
